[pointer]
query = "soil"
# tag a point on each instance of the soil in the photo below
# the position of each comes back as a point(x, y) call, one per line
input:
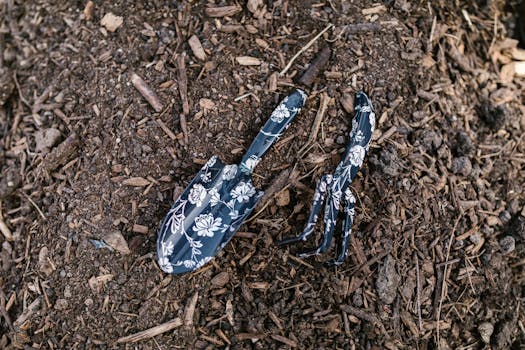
point(89, 169)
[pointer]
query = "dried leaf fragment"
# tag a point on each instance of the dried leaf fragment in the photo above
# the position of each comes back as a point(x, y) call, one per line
point(116, 241)
point(248, 61)
point(220, 280)
point(196, 48)
point(111, 22)
point(44, 262)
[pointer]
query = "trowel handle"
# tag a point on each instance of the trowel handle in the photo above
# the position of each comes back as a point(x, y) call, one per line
point(279, 121)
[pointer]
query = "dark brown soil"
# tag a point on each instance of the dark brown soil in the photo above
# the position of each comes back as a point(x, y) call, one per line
point(436, 257)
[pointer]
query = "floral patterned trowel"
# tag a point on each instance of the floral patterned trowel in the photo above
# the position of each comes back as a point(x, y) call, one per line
point(220, 197)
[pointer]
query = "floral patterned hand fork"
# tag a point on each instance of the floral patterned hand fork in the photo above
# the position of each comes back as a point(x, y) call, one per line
point(220, 197)
point(338, 185)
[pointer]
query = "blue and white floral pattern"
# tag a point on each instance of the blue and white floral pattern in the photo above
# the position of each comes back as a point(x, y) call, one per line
point(337, 186)
point(218, 199)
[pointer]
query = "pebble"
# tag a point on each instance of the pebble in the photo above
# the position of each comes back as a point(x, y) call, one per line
point(462, 166)
point(388, 280)
point(485, 330)
point(507, 244)
point(61, 304)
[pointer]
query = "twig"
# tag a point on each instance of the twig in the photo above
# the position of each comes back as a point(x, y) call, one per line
point(183, 83)
point(183, 90)
point(445, 279)
point(146, 92)
point(4, 228)
point(152, 332)
point(304, 48)
point(323, 105)
point(418, 300)
point(190, 309)
point(3, 311)
point(318, 63)
point(28, 312)
point(34, 205)
point(364, 316)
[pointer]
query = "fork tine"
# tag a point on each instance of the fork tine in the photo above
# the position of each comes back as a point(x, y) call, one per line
point(330, 215)
point(347, 228)
point(319, 196)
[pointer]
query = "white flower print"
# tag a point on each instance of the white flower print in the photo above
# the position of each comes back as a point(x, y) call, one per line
point(280, 113)
point(356, 155)
point(252, 162)
point(203, 261)
point(243, 191)
point(229, 172)
point(366, 108)
point(165, 264)
point(354, 127)
point(176, 222)
point(215, 196)
point(206, 177)
point(372, 118)
point(359, 136)
point(234, 214)
point(206, 225)
point(167, 248)
point(197, 195)
point(350, 211)
point(336, 198)
point(211, 161)
point(349, 196)
point(189, 264)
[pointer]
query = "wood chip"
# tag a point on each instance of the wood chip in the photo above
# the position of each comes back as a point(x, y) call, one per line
point(284, 340)
point(222, 11)
point(6, 231)
point(190, 309)
point(111, 22)
point(140, 229)
point(519, 69)
point(248, 61)
point(146, 92)
point(196, 48)
point(136, 182)
point(152, 332)
point(374, 10)
point(220, 280)
point(89, 10)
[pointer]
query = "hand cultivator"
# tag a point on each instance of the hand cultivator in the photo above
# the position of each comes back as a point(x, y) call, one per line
point(336, 186)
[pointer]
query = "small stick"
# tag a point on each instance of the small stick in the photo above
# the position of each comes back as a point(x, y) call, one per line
point(183, 83)
point(190, 309)
point(304, 48)
point(442, 294)
point(364, 316)
point(183, 89)
point(152, 332)
point(146, 92)
point(34, 205)
point(5, 229)
point(418, 299)
point(323, 105)
point(3, 310)
point(318, 63)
